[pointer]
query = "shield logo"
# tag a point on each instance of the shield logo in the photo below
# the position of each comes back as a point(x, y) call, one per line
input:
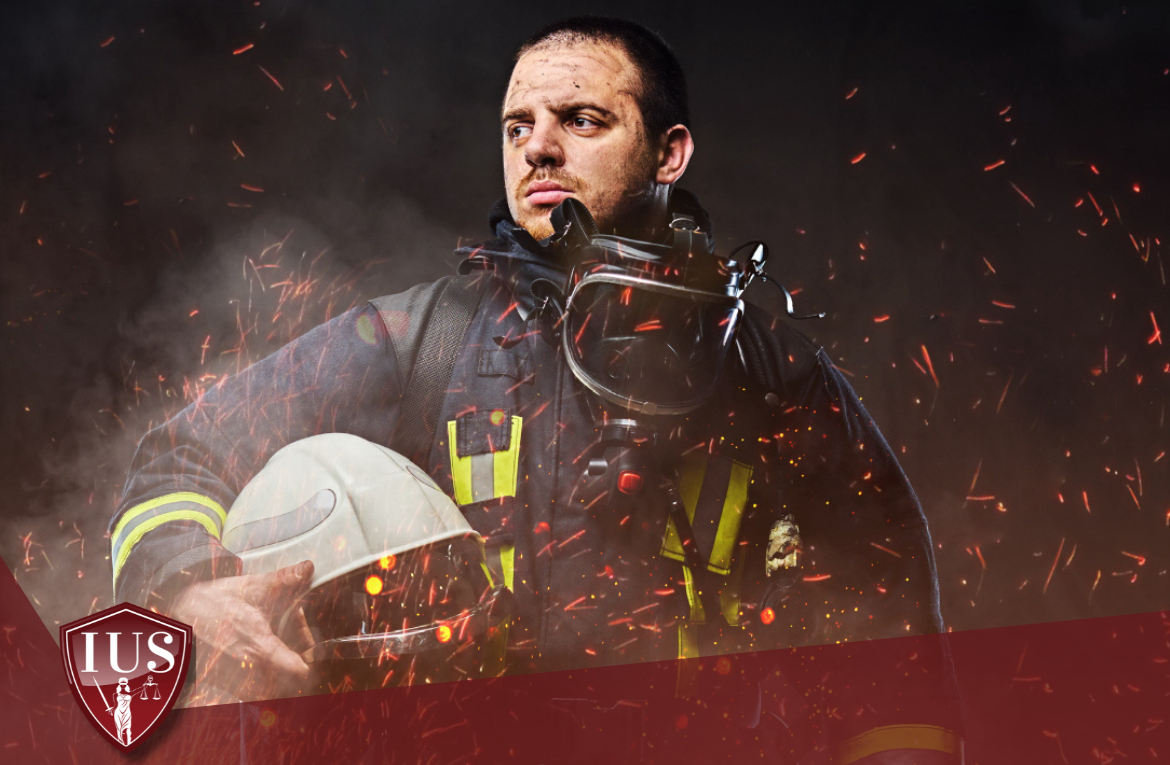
point(126, 667)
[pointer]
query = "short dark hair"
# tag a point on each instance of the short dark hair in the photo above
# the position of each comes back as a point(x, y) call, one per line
point(662, 91)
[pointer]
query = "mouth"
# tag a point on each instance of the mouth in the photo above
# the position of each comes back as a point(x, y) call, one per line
point(541, 193)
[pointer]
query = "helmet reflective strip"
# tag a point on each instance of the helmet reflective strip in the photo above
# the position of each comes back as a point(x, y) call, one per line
point(144, 517)
point(480, 477)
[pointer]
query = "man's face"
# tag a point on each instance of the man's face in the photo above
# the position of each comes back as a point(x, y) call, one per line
point(572, 128)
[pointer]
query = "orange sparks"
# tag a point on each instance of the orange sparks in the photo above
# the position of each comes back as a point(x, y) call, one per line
point(851, 94)
point(880, 319)
point(1021, 193)
point(1137, 189)
point(1001, 305)
point(1157, 336)
point(1094, 169)
point(249, 187)
point(979, 555)
point(1003, 395)
point(107, 41)
point(647, 326)
point(244, 49)
point(989, 266)
point(816, 578)
point(975, 478)
point(1141, 559)
point(926, 358)
point(1052, 570)
point(885, 549)
point(1085, 496)
point(993, 165)
point(236, 146)
point(275, 81)
point(857, 159)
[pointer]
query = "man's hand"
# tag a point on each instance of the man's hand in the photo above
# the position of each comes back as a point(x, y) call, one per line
point(237, 651)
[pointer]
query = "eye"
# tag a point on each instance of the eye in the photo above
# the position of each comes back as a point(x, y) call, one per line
point(580, 121)
point(518, 132)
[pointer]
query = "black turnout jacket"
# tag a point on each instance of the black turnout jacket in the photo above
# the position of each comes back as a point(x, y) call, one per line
point(598, 577)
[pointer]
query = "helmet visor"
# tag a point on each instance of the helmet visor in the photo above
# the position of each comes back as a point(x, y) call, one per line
point(429, 598)
point(650, 347)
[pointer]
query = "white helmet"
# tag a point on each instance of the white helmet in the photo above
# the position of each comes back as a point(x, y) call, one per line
point(400, 583)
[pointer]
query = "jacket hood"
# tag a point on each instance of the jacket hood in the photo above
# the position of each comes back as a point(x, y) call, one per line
point(521, 260)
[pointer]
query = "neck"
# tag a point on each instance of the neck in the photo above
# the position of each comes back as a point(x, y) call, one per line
point(645, 215)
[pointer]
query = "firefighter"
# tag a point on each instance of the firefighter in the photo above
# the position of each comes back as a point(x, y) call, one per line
point(657, 470)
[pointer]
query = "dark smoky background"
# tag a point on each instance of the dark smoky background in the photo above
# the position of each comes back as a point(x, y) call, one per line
point(975, 192)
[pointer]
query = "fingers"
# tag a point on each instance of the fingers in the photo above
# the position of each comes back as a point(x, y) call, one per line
point(275, 592)
point(237, 648)
point(254, 663)
point(285, 665)
point(295, 631)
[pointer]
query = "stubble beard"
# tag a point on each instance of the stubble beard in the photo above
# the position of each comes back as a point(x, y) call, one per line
point(628, 207)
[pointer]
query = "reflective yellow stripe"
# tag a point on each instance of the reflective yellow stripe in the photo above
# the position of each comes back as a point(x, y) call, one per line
point(505, 468)
point(508, 565)
point(688, 641)
point(488, 572)
point(890, 737)
point(688, 671)
point(506, 464)
point(689, 486)
point(698, 616)
point(153, 523)
point(460, 468)
point(731, 517)
point(182, 496)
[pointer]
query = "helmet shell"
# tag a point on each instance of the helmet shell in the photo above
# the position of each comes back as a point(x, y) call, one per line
point(340, 501)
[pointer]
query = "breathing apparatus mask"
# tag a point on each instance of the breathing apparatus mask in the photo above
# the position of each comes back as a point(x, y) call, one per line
point(648, 327)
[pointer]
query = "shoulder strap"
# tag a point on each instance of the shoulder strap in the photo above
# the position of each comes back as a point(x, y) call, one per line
point(776, 356)
point(427, 326)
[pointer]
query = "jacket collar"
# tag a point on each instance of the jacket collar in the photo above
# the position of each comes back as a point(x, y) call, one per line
point(521, 260)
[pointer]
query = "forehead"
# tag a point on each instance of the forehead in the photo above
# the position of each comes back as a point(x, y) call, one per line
point(572, 73)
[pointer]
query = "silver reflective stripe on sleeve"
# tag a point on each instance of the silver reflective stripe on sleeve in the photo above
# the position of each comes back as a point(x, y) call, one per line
point(138, 520)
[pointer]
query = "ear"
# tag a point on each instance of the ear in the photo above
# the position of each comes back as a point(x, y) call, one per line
point(676, 152)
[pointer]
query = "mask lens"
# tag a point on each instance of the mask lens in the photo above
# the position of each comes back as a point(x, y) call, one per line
point(635, 344)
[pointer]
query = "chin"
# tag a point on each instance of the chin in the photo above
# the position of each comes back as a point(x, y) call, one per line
point(538, 226)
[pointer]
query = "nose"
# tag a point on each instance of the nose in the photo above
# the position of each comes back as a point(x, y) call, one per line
point(543, 148)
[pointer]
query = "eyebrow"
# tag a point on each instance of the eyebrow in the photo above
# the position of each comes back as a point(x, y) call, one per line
point(565, 108)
